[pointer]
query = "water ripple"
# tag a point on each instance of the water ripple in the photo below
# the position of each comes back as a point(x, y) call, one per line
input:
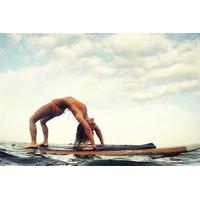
point(14, 154)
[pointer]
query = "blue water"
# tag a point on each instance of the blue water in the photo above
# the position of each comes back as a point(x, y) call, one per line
point(13, 154)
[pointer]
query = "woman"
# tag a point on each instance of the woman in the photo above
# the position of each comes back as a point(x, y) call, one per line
point(81, 136)
point(56, 108)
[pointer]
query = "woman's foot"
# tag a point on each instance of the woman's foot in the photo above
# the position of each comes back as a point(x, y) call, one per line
point(31, 145)
point(44, 145)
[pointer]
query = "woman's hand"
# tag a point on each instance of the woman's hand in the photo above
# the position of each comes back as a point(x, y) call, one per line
point(89, 148)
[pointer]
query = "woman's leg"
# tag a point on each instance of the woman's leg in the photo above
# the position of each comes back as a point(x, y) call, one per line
point(33, 131)
point(43, 112)
point(45, 129)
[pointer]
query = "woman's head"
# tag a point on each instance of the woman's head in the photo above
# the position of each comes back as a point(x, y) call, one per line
point(81, 136)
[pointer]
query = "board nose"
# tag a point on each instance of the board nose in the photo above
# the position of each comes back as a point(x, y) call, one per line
point(192, 147)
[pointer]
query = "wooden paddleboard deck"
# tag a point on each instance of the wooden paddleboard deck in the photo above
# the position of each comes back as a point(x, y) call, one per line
point(68, 151)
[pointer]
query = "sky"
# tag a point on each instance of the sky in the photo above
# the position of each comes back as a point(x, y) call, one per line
point(140, 88)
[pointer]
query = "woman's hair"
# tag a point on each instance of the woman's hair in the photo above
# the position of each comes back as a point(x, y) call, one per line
point(81, 136)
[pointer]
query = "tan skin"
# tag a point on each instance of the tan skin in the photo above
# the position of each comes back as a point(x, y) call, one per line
point(97, 130)
point(46, 113)
point(94, 128)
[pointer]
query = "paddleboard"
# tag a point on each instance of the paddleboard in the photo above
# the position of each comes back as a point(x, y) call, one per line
point(110, 150)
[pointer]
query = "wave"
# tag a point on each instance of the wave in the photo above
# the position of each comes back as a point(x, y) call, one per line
point(111, 162)
point(32, 160)
point(16, 155)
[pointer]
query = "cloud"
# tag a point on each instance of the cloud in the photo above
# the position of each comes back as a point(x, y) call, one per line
point(89, 62)
point(73, 54)
point(197, 93)
point(41, 53)
point(133, 62)
point(36, 42)
point(2, 53)
point(15, 37)
point(153, 60)
point(65, 53)
point(83, 46)
point(33, 41)
point(163, 90)
point(136, 44)
point(103, 71)
point(175, 71)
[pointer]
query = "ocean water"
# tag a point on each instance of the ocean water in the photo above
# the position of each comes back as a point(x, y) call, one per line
point(13, 154)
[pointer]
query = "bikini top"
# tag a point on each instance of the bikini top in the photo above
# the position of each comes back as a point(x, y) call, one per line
point(79, 104)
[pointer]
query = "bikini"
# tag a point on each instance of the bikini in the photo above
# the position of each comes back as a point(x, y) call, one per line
point(81, 107)
point(78, 104)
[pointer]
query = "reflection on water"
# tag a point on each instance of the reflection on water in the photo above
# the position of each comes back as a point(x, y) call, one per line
point(14, 154)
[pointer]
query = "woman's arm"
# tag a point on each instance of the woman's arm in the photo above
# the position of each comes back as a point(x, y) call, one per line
point(86, 127)
point(99, 134)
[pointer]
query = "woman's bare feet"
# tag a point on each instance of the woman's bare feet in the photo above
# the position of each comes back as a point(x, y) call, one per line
point(31, 145)
point(44, 144)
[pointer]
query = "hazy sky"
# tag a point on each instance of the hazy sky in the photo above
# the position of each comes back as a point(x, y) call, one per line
point(139, 87)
